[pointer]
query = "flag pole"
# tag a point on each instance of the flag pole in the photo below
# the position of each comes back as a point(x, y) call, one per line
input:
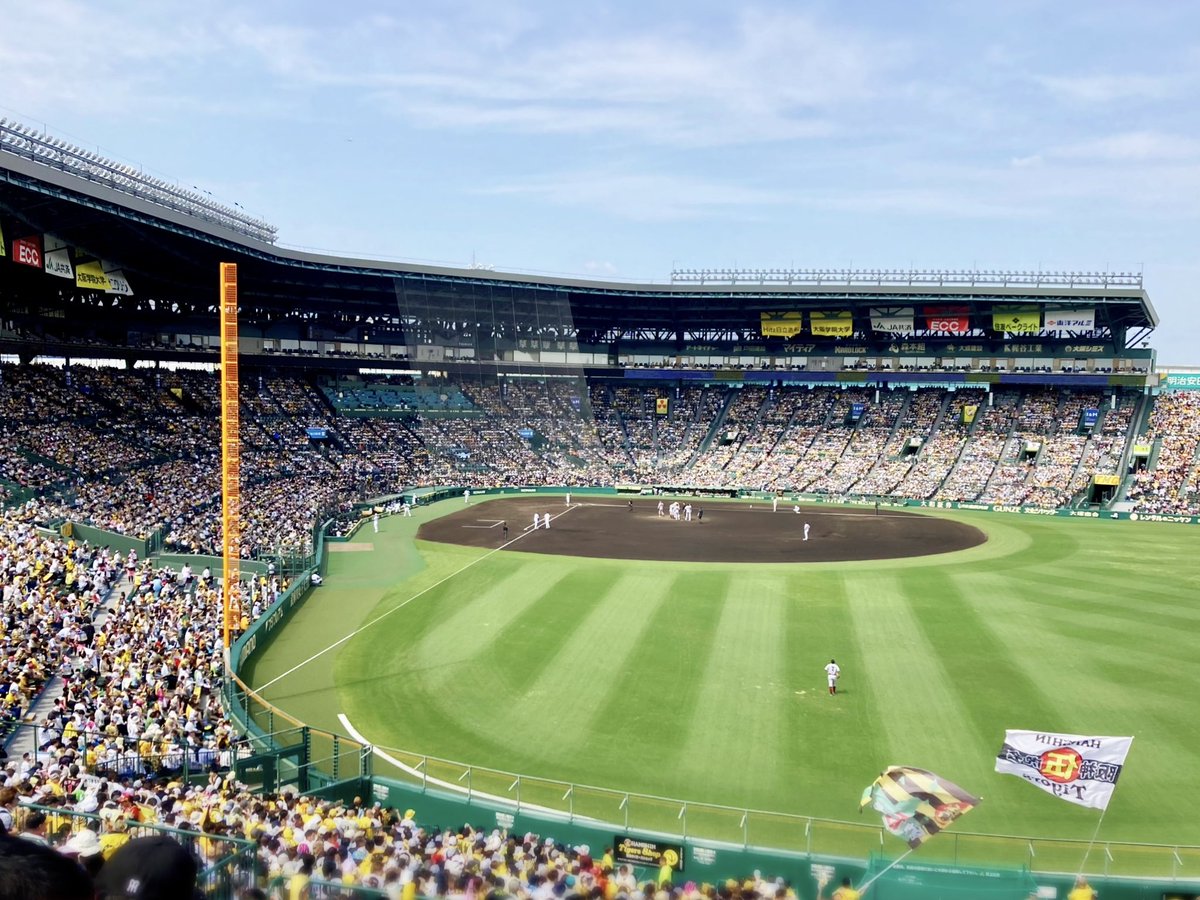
point(862, 889)
point(1091, 843)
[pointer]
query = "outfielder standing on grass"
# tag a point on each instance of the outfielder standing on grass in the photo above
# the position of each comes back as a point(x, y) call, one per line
point(833, 670)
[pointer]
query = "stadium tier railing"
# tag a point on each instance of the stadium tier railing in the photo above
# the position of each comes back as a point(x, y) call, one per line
point(226, 862)
point(314, 760)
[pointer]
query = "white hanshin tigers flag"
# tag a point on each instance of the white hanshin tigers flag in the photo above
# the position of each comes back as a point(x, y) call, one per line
point(1078, 768)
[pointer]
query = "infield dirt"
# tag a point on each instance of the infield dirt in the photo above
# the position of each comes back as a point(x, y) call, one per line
point(727, 532)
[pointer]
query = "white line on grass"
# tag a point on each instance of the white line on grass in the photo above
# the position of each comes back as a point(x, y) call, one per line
point(360, 630)
point(450, 786)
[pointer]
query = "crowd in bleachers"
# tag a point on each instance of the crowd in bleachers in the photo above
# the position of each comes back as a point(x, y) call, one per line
point(1171, 487)
point(135, 451)
point(304, 846)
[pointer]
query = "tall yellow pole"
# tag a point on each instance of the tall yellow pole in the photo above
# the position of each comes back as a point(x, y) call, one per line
point(230, 448)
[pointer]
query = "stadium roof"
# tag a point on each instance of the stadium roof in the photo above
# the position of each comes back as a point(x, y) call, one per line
point(168, 250)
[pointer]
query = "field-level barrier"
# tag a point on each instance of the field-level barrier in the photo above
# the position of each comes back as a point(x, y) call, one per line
point(721, 841)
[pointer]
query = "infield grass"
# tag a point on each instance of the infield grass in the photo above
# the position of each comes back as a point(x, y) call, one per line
point(704, 682)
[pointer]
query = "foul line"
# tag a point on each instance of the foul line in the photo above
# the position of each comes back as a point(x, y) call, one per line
point(448, 785)
point(360, 630)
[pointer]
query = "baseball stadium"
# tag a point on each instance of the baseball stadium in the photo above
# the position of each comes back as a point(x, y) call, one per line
point(452, 580)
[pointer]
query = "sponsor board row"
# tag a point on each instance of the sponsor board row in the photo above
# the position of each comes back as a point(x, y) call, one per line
point(938, 319)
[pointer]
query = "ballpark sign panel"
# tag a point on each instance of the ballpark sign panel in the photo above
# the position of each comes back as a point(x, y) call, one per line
point(1079, 769)
point(652, 854)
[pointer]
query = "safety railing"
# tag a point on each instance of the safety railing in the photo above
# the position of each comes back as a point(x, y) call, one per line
point(225, 862)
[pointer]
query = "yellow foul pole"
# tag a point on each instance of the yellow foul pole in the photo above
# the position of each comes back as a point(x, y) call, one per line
point(230, 448)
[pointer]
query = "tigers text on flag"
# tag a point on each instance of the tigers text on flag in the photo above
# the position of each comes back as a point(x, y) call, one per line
point(916, 804)
point(1078, 768)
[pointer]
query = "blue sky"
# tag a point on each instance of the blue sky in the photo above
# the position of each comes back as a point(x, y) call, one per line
point(622, 139)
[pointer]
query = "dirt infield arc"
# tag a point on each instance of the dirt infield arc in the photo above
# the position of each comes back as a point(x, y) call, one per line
point(727, 532)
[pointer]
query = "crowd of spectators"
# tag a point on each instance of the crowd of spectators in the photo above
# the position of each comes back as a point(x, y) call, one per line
point(136, 451)
point(302, 846)
point(1171, 487)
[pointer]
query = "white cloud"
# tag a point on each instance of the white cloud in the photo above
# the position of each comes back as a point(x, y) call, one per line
point(1131, 146)
point(768, 76)
point(644, 197)
point(1104, 89)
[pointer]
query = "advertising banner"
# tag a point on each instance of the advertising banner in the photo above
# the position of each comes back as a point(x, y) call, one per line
point(947, 319)
point(57, 259)
point(781, 324)
point(28, 251)
point(893, 321)
point(1090, 417)
point(91, 275)
point(662, 405)
point(1112, 480)
point(117, 282)
point(654, 854)
point(1070, 320)
point(838, 323)
point(1174, 381)
point(969, 411)
point(1017, 321)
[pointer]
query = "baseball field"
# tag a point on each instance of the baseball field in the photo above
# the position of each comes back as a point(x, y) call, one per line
point(625, 650)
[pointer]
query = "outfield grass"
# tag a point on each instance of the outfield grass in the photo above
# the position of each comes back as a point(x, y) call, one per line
point(704, 681)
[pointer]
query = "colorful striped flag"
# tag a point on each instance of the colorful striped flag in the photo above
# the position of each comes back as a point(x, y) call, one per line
point(916, 804)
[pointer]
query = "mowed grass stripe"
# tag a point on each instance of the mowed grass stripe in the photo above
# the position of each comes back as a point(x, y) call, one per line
point(580, 672)
point(995, 691)
point(1120, 592)
point(466, 614)
point(424, 647)
point(912, 692)
point(633, 746)
point(526, 645)
point(507, 660)
point(747, 671)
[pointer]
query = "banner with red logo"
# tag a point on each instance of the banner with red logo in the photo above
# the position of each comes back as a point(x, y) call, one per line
point(28, 251)
point(1076, 768)
point(948, 319)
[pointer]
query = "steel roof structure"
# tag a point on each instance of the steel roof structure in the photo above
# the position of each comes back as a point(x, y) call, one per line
point(169, 250)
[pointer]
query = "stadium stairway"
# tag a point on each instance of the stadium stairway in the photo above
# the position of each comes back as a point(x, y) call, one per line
point(23, 740)
point(714, 429)
point(962, 452)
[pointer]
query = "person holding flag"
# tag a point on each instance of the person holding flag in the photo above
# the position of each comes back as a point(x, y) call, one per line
point(845, 892)
point(1082, 890)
